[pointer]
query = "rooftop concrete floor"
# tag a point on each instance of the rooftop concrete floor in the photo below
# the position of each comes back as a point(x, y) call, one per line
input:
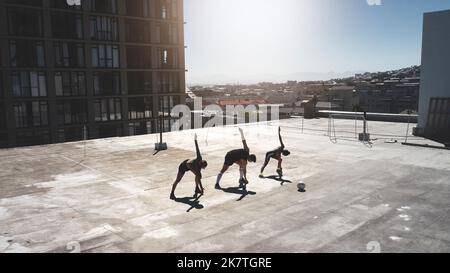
point(114, 197)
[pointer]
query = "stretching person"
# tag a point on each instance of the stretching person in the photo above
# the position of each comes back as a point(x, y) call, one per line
point(194, 166)
point(276, 154)
point(239, 157)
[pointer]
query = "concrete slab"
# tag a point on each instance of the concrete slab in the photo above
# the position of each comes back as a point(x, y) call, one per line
point(111, 195)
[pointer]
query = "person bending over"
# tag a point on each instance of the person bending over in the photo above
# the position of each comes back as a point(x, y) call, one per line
point(276, 154)
point(240, 157)
point(195, 166)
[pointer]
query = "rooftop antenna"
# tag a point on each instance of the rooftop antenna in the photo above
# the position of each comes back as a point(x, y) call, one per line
point(161, 146)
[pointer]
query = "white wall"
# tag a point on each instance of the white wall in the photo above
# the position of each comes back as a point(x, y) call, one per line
point(435, 71)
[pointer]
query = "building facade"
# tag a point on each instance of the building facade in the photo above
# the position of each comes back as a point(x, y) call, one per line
point(392, 96)
point(434, 99)
point(76, 69)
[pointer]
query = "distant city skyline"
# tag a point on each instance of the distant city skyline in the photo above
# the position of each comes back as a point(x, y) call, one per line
point(248, 41)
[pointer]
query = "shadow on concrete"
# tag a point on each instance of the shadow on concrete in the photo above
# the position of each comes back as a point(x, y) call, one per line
point(242, 191)
point(277, 178)
point(192, 202)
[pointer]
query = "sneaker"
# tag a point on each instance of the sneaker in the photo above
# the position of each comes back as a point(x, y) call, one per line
point(242, 183)
point(197, 193)
point(280, 172)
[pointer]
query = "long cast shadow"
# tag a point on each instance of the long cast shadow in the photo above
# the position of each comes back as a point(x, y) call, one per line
point(277, 178)
point(192, 202)
point(242, 191)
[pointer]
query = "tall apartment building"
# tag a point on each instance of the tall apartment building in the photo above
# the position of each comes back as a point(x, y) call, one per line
point(88, 68)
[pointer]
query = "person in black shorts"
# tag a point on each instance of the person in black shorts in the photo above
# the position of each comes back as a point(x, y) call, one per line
point(239, 157)
point(195, 166)
point(276, 154)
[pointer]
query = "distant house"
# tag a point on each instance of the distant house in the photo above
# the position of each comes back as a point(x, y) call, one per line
point(343, 96)
point(241, 101)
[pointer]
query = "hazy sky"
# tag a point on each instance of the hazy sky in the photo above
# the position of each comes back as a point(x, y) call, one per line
point(276, 40)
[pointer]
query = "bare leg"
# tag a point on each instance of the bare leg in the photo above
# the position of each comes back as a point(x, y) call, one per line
point(280, 168)
point(224, 169)
point(265, 165)
point(175, 184)
point(280, 160)
point(219, 176)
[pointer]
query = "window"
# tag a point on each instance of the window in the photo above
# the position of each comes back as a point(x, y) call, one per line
point(140, 128)
point(109, 130)
point(32, 137)
point(36, 3)
point(168, 58)
point(2, 117)
point(31, 114)
point(67, 25)
point(104, 28)
point(29, 84)
point(3, 125)
point(70, 84)
point(168, 82)
point(106, 83)
point(24, 22)
point(173, 34)
point(66, 4)
point(73, 133)
point(138, 8)
point(108, 109)
point(68, 54)
point(167, 125)
point(71, 112)
point(164, 57)
point(105, 56)
point(103, 6)
point(166, 103)
point(3, 140)
point(139, 83)
point(166, 33)
point(139, 57)
point(163, 12)
point(24, 53)
point(167, 9)
point(138, 31)
point(140, 108)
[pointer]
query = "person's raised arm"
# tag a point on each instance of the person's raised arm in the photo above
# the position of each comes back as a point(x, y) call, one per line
point(199, 156)
point(279, 135)
point(244, 142)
